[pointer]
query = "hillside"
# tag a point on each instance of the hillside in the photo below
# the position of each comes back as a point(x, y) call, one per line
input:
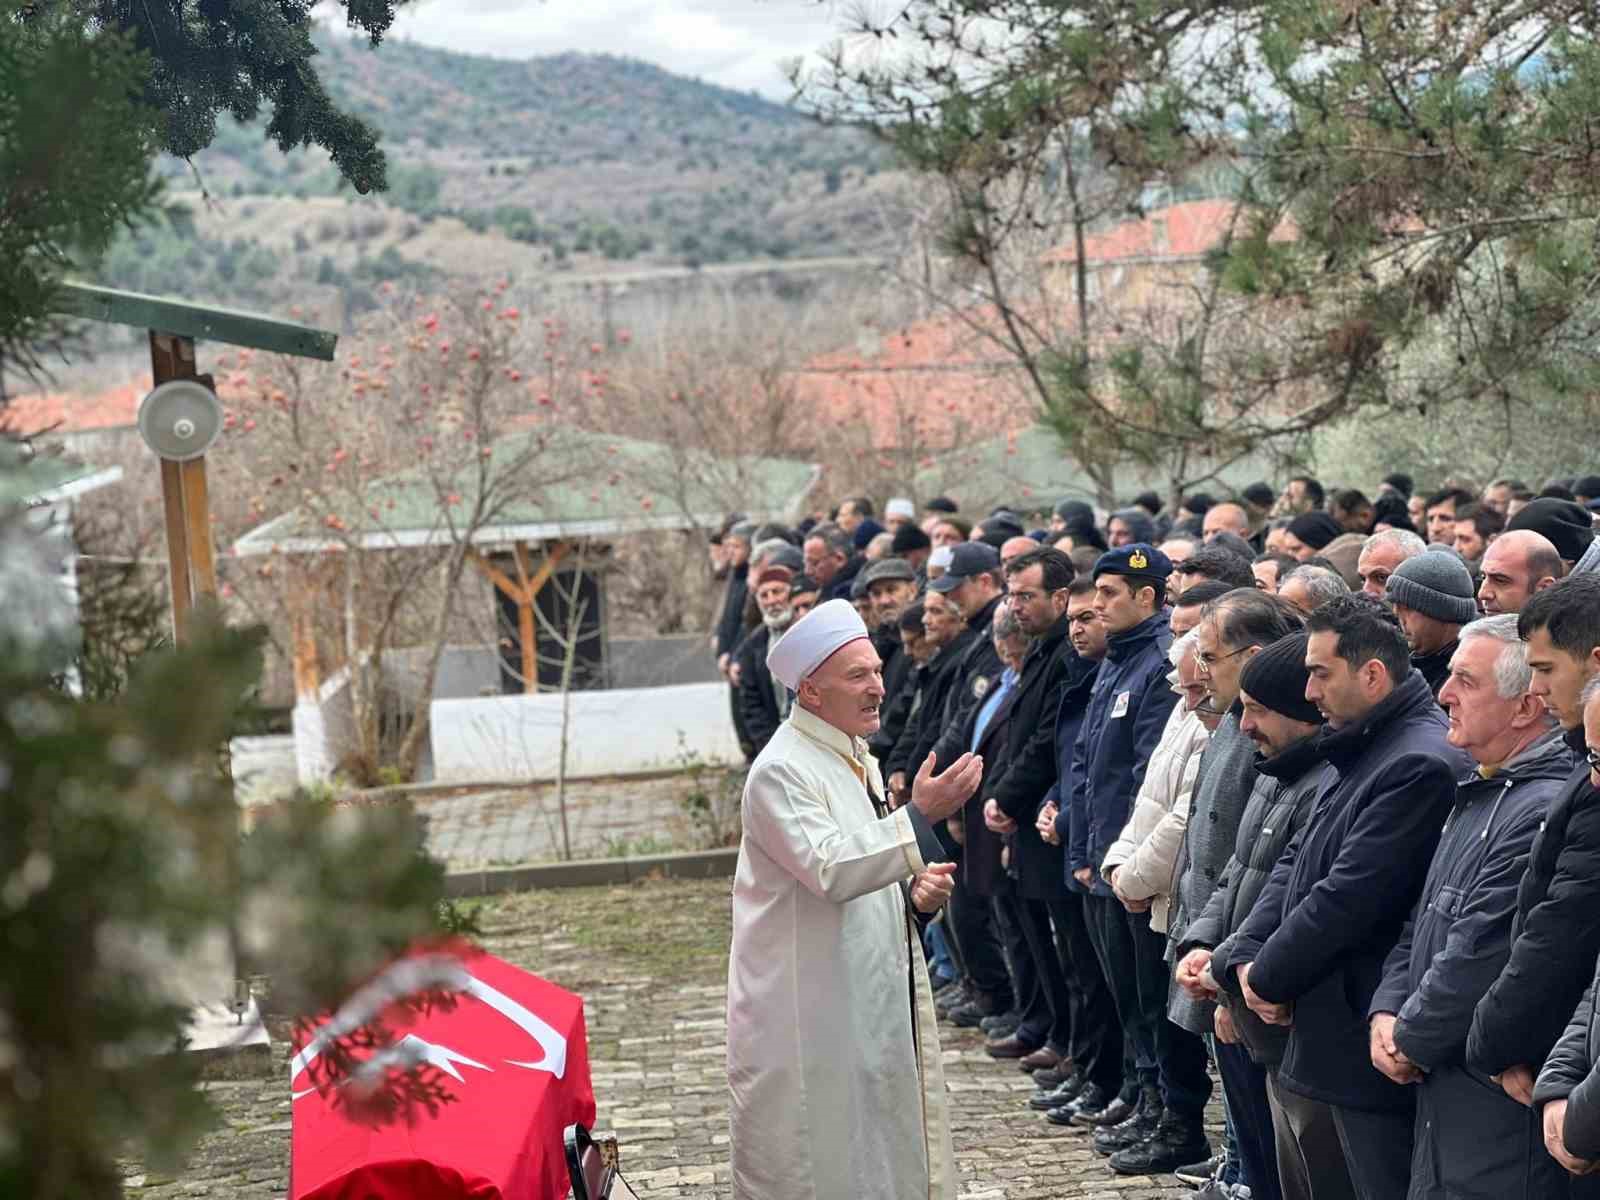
point(571, 163)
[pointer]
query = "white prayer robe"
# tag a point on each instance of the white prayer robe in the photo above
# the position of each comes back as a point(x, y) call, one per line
point(833, 1097)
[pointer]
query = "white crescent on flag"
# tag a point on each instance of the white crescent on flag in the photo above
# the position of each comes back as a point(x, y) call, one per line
point(408, 977)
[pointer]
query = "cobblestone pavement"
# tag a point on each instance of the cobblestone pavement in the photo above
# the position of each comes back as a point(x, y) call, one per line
point(605, 817)
point(650, 960)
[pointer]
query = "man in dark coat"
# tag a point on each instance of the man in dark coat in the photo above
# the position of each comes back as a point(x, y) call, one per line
point(1286, 1143)
point(1311, 953)
point(1567, 1094)
point(1037, 584)
point(891, 585)
point(1472, 1141)
point(899, 709)
point(1094, 1082)
point(1127, 714)
point(1555, 936)
point(1433, 595)
point(730, 622)
point(764, 702)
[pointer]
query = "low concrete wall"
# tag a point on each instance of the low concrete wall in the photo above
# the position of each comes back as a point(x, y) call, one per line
point(618, 732)
point(594, 872)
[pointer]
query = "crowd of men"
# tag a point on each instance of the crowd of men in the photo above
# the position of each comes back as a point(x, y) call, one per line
point(1298, 786)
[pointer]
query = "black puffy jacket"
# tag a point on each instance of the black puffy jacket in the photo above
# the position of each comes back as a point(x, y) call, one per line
point(1280, 803)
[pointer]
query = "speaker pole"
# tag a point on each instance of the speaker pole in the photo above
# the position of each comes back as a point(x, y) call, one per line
point(184, 495)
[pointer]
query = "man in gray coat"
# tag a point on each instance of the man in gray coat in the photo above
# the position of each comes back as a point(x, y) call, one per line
point(1472, 1140)
point(1288, 1145)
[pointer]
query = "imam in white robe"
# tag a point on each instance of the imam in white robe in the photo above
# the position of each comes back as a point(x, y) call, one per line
point(837, 1093)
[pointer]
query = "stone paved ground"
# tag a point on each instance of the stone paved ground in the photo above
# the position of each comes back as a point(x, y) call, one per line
point(650, 960)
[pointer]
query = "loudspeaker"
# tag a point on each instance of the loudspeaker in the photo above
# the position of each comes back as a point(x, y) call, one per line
point(180, 419)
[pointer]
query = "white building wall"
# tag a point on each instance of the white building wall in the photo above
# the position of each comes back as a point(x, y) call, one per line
point(617, 732)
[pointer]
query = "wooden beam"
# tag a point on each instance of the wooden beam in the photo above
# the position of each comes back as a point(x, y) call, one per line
point(197, 513)
point(519, 550)
point(547, 568)
point(530, 646)
point(177, 549)
point(496, 576)
point(166, 315)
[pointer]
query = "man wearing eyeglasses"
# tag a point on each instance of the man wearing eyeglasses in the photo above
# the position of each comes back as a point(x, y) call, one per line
point(1233, 629)
point(1555, 935)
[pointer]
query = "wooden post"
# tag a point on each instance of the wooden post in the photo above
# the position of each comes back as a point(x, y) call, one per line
point(184, 497)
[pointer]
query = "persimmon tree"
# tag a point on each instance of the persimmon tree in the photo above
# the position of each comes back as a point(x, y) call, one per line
point(389, 465)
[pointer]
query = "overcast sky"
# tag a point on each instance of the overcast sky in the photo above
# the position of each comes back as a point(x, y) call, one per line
point(734, 43)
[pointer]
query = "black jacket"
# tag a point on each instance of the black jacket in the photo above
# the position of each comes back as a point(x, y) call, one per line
point(1337, 901)
point(839, 589)
point(1070, 713)
point(980, 663)
point(927, 725)
point(730, 624)
point(1030, 763)
point(1555, 936)
point(1280, 804)
point(901, 680)
point(757, 697)
point(1570, 1074)
point(1472, 1139)
point(1435, 667)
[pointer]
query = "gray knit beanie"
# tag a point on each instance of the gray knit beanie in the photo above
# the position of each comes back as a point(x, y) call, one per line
point(1437, 585)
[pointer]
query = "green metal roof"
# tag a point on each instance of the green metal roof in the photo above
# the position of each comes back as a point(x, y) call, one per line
point(28, 479)
point(1031, 470)
point(604, 485)
point(165, 314)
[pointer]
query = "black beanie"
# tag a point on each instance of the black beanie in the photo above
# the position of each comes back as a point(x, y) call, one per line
point(1316, 528)
point(1276, 677)
point(908, 538)
point(1565, 522)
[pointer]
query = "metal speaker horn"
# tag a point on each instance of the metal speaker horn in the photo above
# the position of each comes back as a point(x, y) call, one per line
point(180, 419)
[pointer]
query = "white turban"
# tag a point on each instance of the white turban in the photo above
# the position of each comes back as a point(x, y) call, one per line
point(812, 639)
point(899, 507)
point(941, 556)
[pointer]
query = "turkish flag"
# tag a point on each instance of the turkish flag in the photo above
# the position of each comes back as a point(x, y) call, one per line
point(511, 1055)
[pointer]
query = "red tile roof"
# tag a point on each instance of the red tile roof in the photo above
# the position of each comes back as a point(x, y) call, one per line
point(74, 412)
point(925, 386)
point(1181, 231)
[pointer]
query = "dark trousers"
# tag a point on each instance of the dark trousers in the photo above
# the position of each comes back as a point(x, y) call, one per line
point(1134, 959)
point(1025, 982)
point(1050, 970)
point(1096, 1041)
point(1377, 1151)
point(1310, 1158)
point(971, 922)
point(1244, 1086)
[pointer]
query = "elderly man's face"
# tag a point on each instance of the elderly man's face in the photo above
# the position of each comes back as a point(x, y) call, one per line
point(846, 691)
point(1225, 518)
point(1220, 664)
point(1191, 684)
point(941, 619)
point(772, 597)
point(890, 597)
point(1479, 715)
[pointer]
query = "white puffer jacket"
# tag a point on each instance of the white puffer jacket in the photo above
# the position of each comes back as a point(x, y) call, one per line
point(1147, 851)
